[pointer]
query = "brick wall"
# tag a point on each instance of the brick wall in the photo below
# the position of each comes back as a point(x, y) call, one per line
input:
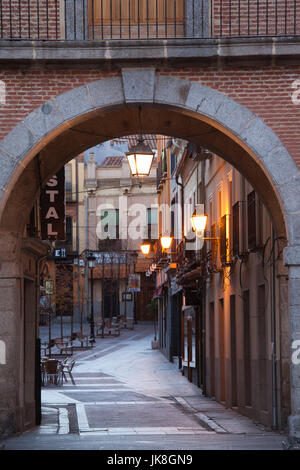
point(30, 19)
point(255, 17)
point(265, 90)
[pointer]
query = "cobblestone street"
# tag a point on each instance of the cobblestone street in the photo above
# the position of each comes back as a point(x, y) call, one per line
point(128, 396)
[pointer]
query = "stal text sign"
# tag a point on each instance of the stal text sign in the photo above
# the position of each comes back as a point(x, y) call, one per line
point(53, 208)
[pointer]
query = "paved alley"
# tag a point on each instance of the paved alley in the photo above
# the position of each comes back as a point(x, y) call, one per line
point(128, 396)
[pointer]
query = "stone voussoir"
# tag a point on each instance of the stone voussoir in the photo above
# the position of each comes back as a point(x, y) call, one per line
point(44, 119)
point(74, 102)
point(106, 92)
point(171, 91)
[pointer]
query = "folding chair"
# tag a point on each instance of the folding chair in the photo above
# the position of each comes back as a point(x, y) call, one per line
point(67, 368)
point(53, 372)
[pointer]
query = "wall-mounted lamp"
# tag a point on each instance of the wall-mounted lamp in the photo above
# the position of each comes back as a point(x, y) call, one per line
point(166, 242)
point(145, 248)
point(199, 222)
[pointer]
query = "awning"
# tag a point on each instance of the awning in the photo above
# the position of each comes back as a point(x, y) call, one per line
point(191, 275)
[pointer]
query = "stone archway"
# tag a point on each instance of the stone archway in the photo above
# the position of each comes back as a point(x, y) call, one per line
point(74, 121)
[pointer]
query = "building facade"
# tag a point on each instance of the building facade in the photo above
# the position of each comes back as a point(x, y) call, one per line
point(121, 214)
point(223, 297)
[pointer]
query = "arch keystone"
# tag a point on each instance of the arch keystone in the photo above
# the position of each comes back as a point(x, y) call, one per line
point(138, 84)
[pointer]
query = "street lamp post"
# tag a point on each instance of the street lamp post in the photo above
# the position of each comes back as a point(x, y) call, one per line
point(91, 263)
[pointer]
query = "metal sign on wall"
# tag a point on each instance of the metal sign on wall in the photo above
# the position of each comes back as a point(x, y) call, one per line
point(52, 203)
point(134, 283)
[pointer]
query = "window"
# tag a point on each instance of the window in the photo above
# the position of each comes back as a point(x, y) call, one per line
point(173, 162)
point(223, 238)
point(236, 229)
point(220, 204)
point(127, 12)
point(110, 224)
point(251, 217)
point(68, 181)
point(214, 244)
point(69, 230)
point(164, 161)
point(152, 223)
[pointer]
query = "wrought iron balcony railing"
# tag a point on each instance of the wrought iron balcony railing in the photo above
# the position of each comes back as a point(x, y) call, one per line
point(94, 20)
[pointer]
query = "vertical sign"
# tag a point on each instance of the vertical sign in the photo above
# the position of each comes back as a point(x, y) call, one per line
point(53, 208)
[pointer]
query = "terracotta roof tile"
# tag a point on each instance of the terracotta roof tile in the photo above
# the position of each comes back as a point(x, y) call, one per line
point(112, 161)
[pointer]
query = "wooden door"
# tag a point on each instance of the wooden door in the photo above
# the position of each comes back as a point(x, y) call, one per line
point(136, 18)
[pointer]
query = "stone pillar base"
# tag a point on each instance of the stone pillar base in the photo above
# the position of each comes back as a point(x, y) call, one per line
point(294, 430)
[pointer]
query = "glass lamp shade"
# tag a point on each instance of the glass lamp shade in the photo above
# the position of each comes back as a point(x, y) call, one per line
point(199, 222)
point(145, 248)
point(166, 242)
point(91, 259)
point(140, 159)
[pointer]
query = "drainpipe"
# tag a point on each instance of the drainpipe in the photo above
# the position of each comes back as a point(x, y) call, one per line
point(242, 182)
point(273, 331)
point(182, 237)
point(203, 325)
point(182, 205)
point(87, 247)
point(77, 234)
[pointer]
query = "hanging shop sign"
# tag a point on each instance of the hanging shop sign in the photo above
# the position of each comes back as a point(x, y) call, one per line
point(134, 283)
point(49, 287)
point(60, 253)
point(52, 203)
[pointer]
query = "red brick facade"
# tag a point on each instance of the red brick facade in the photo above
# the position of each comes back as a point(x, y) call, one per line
point(267, 91)
point(255, 18)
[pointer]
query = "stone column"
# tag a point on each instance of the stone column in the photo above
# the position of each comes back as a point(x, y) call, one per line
point(197, 14)
point(76, 20)
point(292, 259)
point(11, 334)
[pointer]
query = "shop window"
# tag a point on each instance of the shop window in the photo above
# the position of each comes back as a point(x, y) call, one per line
point(247, 347)
point(189, 336)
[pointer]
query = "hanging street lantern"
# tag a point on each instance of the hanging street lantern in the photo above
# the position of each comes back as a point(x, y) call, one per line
point(140, 158)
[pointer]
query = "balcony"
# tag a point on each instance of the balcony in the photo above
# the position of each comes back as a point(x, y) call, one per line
point(151, 29)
